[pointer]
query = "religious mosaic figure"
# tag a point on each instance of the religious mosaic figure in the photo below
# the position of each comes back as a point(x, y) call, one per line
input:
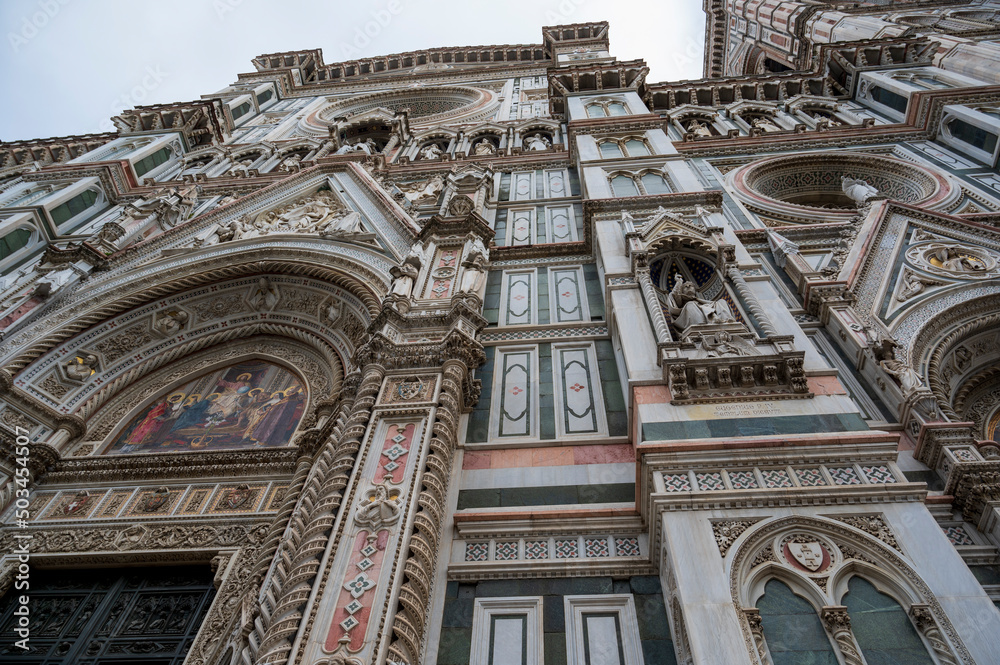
point(253, 403)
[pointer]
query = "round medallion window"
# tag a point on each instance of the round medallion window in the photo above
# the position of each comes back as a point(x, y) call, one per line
point(810, 189)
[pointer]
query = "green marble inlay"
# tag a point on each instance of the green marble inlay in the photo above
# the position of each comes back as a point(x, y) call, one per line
point(823, 423)
point(552, 495)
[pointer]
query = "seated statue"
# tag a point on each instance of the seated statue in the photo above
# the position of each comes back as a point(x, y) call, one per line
point(484, 147)
point(537, 142)
point(687, 309)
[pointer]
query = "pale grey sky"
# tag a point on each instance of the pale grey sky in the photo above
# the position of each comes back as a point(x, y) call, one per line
point(69, 65)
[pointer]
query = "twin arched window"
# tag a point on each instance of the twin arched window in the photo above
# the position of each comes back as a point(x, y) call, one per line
point(880, 627)
point(605, 109)
point(647, 183)
point(626, 147)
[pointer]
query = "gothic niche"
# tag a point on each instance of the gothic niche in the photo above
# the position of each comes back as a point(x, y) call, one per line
point(369, 138)
point(250, 404)
point(697, 305)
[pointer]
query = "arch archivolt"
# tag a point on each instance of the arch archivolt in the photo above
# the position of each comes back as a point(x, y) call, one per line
point(360, 273)
point(321, 372)
point(841, 547)
point(956, 345)
point(84, 372)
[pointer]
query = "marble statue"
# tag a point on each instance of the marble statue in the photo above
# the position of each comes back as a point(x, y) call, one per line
point(955, 260)
point(909, 380)
point(406, 274)
point(475, 267)
point(687, 309)
point(537, 142)
point(425, 191)
point(857, 190)
point(432, 151)
point(484, 147)
point(765, 125)
point(290, 163)
point(344, 223)
point(698, 128)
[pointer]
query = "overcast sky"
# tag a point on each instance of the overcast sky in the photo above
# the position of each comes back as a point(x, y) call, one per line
point(69, 65)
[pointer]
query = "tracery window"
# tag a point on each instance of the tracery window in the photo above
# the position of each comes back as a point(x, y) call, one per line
point(792, 628)
point(881, 628)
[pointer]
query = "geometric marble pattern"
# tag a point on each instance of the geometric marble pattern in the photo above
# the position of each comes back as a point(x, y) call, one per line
point(879, 473)
point(742, 480)
point(810, 477)
point(775, 478)
point(506, 551)
point(628, 546)
point(536, 549)
point(477, 551)
point(677, 482)
point(957, 535)
point(710, 481)
point(844, 475)
point(596, 547)
point(567, 549)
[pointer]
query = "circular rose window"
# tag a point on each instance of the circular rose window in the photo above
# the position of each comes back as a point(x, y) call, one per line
point(815, 188)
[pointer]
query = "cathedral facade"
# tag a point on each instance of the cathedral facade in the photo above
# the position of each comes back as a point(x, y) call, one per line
point(505, 355)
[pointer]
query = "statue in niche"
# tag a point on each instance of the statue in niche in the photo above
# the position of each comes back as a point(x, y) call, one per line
point(170, 322)
point(291, 163)
point(687, 309)
point(240, 168)
point(264, 296)
point(81, 368)
point(698, 128)
point(857, 190)
point(426, 191)
point(406, 274)
point(765, 124)
point(909, 380)
point(484, 147)
point(367, 146)
point(431, 152)
point(475, 267)
point(537, 142)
